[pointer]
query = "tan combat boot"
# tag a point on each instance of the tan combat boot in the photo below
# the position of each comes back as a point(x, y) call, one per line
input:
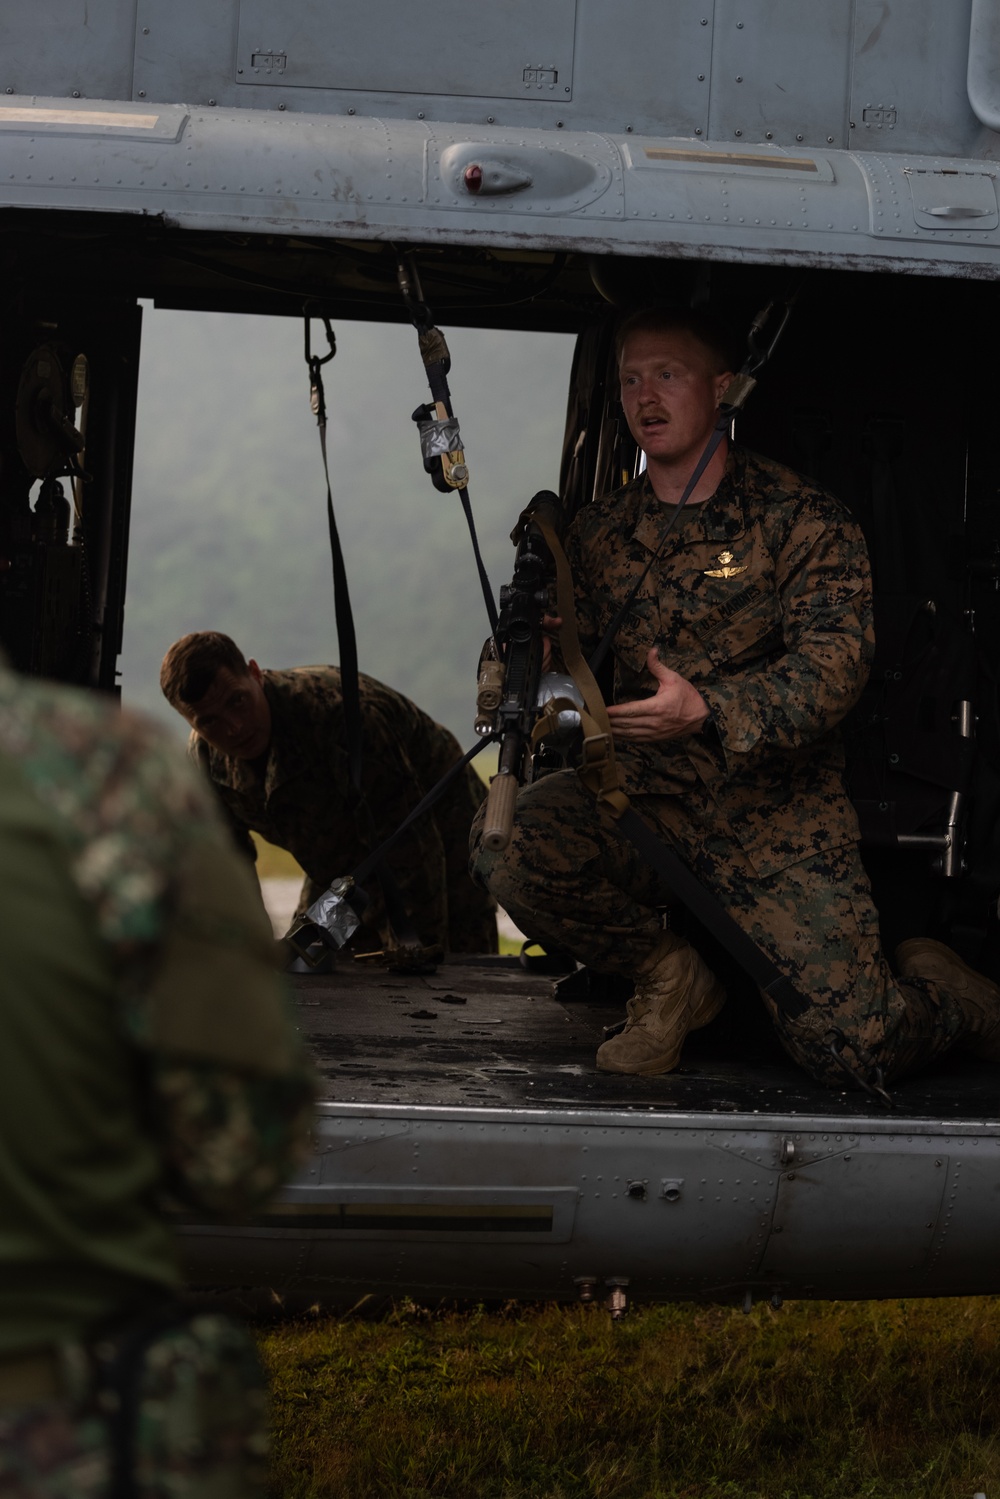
point(976, 996)
point(675, 992)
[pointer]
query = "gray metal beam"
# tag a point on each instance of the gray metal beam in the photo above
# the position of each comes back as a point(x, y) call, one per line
point(317, 175)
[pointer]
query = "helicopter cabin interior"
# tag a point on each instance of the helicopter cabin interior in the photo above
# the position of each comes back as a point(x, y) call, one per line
point(880, 390)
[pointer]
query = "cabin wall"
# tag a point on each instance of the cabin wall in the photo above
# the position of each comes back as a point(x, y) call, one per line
point(859, 74)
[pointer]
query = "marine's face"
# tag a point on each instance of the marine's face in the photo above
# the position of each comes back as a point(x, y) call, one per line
point(670, 394)
point(234, 716)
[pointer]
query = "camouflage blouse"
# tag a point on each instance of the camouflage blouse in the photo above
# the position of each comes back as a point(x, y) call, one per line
point(195, 971)
point(762, 600)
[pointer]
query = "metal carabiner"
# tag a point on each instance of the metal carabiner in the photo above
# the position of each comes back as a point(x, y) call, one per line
point(760, 353)
point(315, 360)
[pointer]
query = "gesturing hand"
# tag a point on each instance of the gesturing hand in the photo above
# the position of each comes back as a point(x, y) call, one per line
point(677, 708)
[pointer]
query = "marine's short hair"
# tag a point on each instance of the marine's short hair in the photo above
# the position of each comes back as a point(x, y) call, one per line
point(189, 668)
point(710, 333)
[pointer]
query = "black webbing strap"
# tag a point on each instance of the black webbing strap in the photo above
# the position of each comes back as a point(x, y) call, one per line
point(713, 917)
point(395, 908)
point(341, 593)
point(484, 581)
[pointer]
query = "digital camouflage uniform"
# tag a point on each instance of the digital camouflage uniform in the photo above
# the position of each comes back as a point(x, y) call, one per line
point(302, 802)
point(762, 601)
point(145, 1047)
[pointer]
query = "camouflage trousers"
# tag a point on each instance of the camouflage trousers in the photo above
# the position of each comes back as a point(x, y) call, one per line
point(569, 879)
point(199, 1433)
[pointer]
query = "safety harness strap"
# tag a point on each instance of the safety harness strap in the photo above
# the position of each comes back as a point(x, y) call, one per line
point(343, 613)
point(396, 912)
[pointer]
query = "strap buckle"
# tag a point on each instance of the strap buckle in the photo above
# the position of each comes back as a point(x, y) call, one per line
point(736, 392)
point(596, 752)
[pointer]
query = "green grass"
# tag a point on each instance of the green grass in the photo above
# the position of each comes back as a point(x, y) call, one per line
point(835, 1400)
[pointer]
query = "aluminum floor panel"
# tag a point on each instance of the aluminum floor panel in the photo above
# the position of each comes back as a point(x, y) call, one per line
point(483, 1033)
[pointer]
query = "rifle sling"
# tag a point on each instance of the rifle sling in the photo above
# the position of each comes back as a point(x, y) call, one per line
point(373, 860)
point(713, 917)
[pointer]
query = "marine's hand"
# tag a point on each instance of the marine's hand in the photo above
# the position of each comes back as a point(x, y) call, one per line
point(677, 708)
point(550, 632)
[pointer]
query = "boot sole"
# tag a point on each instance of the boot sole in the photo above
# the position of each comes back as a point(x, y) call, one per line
point(656, 1066)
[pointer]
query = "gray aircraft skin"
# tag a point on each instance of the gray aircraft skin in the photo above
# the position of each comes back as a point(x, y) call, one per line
point(546, 164)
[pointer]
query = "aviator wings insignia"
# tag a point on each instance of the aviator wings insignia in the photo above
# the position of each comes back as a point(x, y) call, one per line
point(724, 570)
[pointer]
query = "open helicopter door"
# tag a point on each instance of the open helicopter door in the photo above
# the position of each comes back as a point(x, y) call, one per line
point(68, 384)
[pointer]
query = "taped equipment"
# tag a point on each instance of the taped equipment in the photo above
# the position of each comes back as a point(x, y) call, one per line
point(440, 438)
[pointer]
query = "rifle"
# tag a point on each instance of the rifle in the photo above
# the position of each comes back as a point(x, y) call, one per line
point(508, 685)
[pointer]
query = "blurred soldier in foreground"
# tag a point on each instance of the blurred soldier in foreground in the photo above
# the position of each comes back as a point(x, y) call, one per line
point(274, 745)
point(145, 1050)
point(743, 649)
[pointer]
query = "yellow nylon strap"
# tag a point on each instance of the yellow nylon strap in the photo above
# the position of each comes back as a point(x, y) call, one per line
point(549, 723)
point(599, 769)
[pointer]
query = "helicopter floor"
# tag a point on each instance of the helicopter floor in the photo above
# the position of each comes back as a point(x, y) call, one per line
point(484, 1033)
